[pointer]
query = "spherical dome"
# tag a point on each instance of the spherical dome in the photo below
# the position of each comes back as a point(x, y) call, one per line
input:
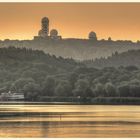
point(45, 20)
point(53, 32)
point(92, 35)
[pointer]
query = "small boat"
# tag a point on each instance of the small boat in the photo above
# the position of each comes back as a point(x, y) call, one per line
point(11, 96)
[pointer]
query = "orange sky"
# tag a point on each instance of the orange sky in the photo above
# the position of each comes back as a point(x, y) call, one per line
point(118, 20)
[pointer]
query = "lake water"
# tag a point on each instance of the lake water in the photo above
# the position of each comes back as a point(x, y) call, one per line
point(77, 121)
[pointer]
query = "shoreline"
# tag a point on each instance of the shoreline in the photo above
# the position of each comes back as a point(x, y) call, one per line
point(78, 101)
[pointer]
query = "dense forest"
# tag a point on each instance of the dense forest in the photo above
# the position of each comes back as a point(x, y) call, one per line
point(39, 75)
point(128, 58)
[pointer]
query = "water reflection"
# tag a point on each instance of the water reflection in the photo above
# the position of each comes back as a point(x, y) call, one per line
point(69, 121)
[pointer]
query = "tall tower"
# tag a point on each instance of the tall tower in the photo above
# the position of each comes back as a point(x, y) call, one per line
point(44, 27)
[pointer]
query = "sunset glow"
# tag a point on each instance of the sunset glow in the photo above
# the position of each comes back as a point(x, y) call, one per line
point(72, 20)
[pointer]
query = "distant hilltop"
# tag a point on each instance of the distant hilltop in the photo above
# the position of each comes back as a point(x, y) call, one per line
point(51, 42)
point(44, 33)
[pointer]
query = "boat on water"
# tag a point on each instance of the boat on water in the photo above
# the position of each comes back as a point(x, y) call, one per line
point(8, 96)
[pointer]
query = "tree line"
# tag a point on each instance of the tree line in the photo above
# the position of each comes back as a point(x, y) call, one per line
point(37, 74)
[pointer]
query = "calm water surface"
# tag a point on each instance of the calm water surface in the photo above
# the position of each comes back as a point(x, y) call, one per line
point(69, 121)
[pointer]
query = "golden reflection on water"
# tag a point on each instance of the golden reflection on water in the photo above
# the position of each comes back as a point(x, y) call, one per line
point(69, 121)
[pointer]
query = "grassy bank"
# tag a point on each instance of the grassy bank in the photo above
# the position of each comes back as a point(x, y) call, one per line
point(96, 100)
point(82, 101)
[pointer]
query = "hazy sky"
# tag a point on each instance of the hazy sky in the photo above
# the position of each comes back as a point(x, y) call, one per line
point(118, 20)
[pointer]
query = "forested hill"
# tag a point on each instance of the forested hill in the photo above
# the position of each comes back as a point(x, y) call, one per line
point(39, 76)
point(19, 66)
point(14, 58)
point(129, 58)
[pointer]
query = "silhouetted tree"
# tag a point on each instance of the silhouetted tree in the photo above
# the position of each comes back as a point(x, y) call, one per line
point(81, 87)
point(48, 86)
point(110, 89)
point(63, 89)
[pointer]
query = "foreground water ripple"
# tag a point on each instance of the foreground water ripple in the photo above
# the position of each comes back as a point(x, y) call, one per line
point(40, 120)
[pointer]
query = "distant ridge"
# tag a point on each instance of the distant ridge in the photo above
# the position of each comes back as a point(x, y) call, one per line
point(129, 58)
point(80, 49)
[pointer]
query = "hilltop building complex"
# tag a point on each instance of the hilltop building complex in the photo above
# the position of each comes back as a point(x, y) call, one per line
point(44, 32)
point(91, 47)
